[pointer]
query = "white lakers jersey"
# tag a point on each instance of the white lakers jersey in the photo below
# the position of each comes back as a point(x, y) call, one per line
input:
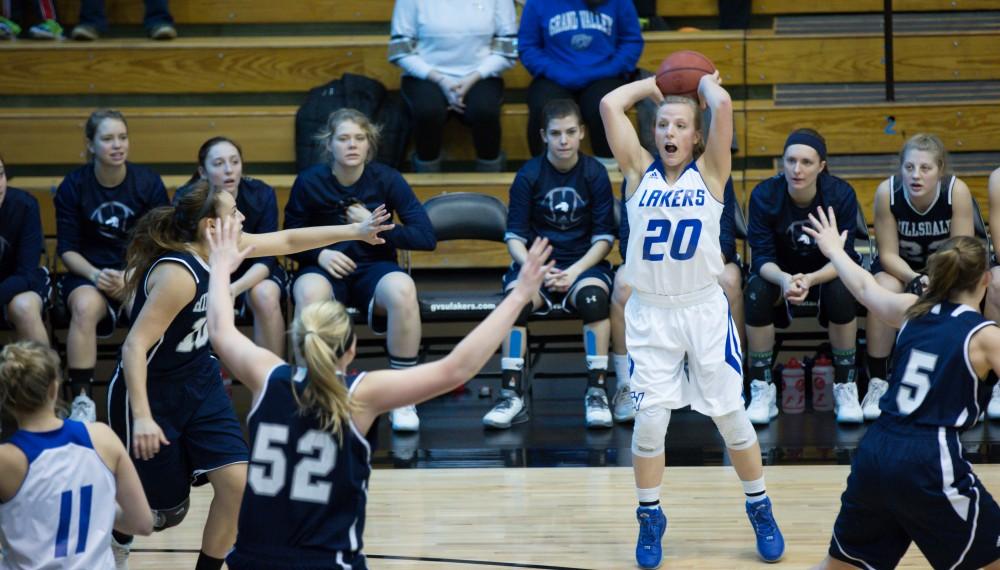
point(63, 514)
point(673, 244)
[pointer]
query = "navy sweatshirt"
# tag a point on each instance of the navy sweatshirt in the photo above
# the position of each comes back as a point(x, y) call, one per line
point(319, 199)
point(21, 244)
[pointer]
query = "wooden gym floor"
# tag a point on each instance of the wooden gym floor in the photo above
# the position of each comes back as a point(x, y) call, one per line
point(566, 519)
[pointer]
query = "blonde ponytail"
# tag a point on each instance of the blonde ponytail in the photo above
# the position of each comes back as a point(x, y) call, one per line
point(322, 334)
point(27, 370)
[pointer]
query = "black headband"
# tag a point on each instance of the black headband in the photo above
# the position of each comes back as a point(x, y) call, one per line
point(809, 140)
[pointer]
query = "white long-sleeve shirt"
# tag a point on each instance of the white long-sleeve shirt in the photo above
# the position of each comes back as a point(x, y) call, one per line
point(454, 37)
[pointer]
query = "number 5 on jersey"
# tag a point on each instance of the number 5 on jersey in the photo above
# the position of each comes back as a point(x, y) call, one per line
point(683, 242)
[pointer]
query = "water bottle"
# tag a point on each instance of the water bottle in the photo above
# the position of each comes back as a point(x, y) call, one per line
point(793, 384)
point(822, 384)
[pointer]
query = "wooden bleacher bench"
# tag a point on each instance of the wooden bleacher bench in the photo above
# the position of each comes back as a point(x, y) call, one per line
point(349, 11)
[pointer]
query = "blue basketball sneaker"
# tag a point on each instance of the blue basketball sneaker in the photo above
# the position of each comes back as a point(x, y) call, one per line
point(652, 525)
point(770, 543)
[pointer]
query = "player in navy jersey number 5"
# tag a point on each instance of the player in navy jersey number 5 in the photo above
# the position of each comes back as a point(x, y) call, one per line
point(677, 311)
point(304, 505)
point(59, 480)
point(166, 400)
point(909, 479)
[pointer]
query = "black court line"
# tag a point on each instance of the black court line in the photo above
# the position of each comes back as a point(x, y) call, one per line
point(414, 558)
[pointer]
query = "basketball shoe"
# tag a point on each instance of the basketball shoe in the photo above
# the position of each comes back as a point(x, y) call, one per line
point(993, 409)
point(770, 543)
point(649, 547)
point(845, 403)
point(624, 408)
point(763, 402)
point(596, 410)
point(508, 410)
point(876, 389)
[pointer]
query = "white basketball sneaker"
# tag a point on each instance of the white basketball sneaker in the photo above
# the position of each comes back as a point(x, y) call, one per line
point(508, 410)
point(762, 400)
point(120, 552)
point(993, 409)
point(83, 409)
point(404, 419)
point(624, 408)
point(876, 389)
point(596, 410)
point(845, 403)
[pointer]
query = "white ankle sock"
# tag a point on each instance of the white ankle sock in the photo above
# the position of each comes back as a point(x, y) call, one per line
point(755, 490)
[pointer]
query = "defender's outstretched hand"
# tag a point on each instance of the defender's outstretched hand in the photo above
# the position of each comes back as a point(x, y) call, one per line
point(374, 225)
point(224, 245)
point(534, 268)
point(824, 231)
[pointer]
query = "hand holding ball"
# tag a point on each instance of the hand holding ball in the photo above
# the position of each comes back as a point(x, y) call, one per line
point(681, 71)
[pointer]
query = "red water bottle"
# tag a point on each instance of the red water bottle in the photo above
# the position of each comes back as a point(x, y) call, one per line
point(822, 384)
point(793, 384)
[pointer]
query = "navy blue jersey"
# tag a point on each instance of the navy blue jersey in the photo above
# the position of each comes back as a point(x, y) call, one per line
point(97, 222)
point(257, 202)
point(727, 225)
point(184, 346)
point(21, 244)
point(306, 491)
point(933, 383)
point(573, 209)
point(921, 233)
point(319, 199)
point(775, 222)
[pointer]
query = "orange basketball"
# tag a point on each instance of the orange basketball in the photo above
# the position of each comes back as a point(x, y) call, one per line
point(681, 71)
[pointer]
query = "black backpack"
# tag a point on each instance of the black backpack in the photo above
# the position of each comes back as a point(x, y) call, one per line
point(357, 92)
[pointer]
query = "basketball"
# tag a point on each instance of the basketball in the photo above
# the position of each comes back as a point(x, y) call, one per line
point(681, 71)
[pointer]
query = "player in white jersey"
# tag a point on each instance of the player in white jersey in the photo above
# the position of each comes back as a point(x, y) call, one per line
point(678, 310)
point(60, 480)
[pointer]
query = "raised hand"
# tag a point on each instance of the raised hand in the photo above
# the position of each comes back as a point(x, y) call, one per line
point(534, 269)
point(224, 245)
point(824, 230)
point(374, 225)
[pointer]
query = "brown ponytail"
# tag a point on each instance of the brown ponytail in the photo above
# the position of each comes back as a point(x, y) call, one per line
point(956, 267)
point(27, 370)
point(322, 334)
point(166, 229)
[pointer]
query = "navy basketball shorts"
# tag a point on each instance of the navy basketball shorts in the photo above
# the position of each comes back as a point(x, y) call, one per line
point(198, 420)
point(911, 483)
point(358, 289)
point(552, 299)
point(69, 282)
point(41, 285)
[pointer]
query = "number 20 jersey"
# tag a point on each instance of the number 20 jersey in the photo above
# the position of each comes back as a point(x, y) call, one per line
point(673, 246)
point(183, 349)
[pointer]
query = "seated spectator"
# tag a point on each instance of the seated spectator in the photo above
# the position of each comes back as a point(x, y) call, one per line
point(158, 22)
point(259, 283)
point(581, 50)
point(366, 277)
point(452, 53)
point(731, 280)
point(992, 310)
point(47, 29)
point(788, 269)
point(564, 196)
point(915, 212)
point(97, 207)
point(24, 284)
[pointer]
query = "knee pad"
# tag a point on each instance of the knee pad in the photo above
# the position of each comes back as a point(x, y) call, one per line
point(650, 432)
point(593, 304)
point(758, 301)
point(837, 303)
point(166, 518)
point(736, 430)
